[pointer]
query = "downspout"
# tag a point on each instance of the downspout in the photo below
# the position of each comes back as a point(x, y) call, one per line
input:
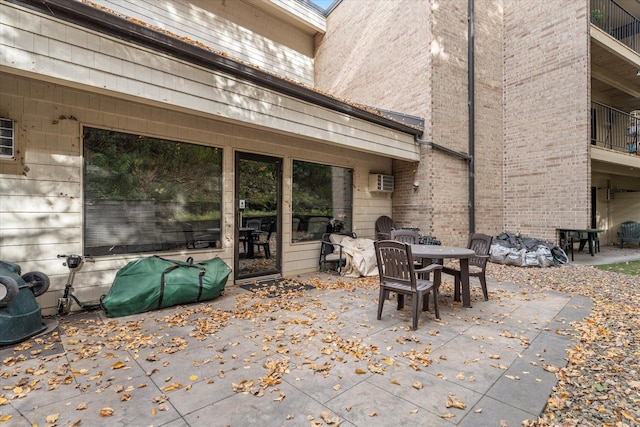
point(471, 79)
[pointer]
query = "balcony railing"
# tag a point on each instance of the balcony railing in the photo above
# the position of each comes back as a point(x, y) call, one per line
point(615, 129)
point(617, 22)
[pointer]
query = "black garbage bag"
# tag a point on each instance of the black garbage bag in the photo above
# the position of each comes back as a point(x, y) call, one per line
point(512, 249)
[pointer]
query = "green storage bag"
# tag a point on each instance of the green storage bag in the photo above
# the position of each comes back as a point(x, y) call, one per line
point(151, 283)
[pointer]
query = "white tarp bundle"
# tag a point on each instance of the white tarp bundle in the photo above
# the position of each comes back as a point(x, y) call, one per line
point(361, 257)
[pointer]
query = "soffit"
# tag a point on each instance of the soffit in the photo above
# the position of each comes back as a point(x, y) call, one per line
point(614, 70)
point(614, 163)
point(293, 13)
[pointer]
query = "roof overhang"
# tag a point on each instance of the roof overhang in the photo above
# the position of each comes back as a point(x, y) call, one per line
point(133, 32)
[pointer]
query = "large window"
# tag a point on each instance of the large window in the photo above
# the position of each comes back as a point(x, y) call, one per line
point(146, 194)
point(322, 200)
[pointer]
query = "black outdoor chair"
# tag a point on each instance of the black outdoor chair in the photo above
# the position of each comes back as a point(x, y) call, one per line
point(481, 244)
point(406, 236)
point(384, 225)
point(197, 241)
point(263, 240)
point(331, 251)
point(255, 224)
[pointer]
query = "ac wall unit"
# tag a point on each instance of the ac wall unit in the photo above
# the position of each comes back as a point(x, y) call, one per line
point(381, 183)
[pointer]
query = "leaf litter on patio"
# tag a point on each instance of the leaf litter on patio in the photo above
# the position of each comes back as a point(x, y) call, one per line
point(599, 386)
point(601, 383)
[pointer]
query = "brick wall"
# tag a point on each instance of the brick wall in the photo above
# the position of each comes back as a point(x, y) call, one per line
point(546, 113)
point(411, 56)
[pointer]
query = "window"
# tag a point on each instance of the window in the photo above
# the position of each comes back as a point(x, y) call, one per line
point(145, 194)
point(322, 200)
point(7, 140)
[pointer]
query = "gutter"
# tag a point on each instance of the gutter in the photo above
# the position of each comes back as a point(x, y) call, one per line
point(107, 23)
point(458, 154)
point(472, 121)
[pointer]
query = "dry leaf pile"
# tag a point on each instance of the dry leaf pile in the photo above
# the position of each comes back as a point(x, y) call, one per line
point(601, 384)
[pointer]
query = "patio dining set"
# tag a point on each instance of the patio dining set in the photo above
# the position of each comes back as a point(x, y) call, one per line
point(407, 261)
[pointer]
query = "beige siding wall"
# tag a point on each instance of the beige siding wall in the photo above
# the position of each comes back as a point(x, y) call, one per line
point(34, 45)
point(232, 27)
point(41, 210)
point(411, 57)
point(547, 167)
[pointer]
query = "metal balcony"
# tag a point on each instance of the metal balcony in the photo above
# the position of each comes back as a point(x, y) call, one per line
point(615, 129)
point(617, 22)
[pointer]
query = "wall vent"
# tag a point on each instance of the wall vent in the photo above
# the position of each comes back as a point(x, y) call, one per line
point(7, 138)
point(381, 183)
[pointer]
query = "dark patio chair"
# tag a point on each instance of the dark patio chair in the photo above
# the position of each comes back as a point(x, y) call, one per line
point(406, 236)
point(331, 251)
point(481, 244)
point(384, 225)
point(197, 241)
point(398, 274)
point(411, 237)
point(567, 241)
point(255, 224)
point(263, 240)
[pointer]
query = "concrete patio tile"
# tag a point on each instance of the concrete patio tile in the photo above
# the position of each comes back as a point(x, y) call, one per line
point(324, 385)
point(470, 362)
point(512, 338)
point(140, 407)
point(14, 417)
point(176, 423)
point(295, 409)
point(391, 341)
point(430, 393)
point(372, 406)
point(549, 347)
point(201, 364)
point(575, 310)
point(489, 412)
point(215, 385)
point(522, 385)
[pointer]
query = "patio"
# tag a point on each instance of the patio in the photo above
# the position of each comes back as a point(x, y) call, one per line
point(318, 358)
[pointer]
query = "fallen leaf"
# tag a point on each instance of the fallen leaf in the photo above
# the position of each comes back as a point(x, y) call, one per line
point(106, 412)
point(118, 365)
point(452, 402)
point(52, 419)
